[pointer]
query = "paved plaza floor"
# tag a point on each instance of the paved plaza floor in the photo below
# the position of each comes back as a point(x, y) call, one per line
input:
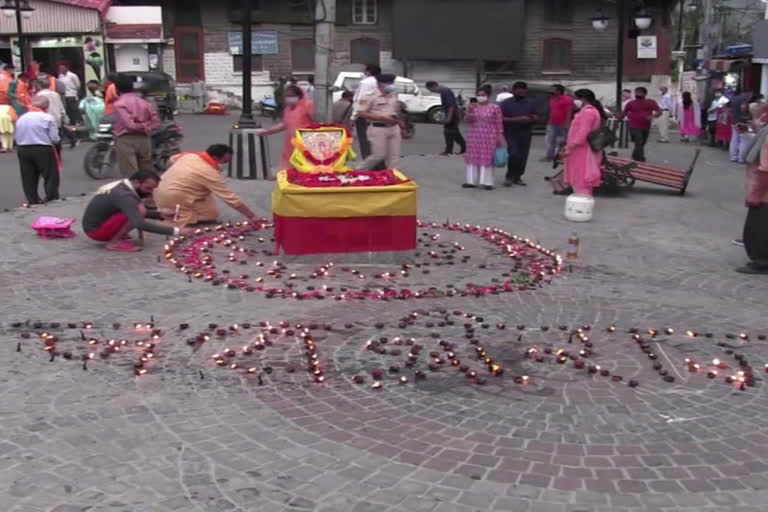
point(614, 386)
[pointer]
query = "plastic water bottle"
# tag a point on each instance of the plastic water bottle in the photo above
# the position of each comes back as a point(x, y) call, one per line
point(572, 254)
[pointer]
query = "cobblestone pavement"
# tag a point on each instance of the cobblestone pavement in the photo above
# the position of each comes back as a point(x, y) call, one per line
point(193, 433)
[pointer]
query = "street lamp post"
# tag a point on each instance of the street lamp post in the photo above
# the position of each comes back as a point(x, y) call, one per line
point(250, 149)
point(246, 116)
point(621, 14)
point(642, 21)
point(21, 9)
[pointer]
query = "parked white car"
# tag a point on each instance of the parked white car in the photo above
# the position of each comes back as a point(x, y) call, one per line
point(408, 92)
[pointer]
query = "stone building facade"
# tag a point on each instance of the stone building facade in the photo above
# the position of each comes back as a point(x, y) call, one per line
point(207, 27)
point(545, 41)
point(541, 41)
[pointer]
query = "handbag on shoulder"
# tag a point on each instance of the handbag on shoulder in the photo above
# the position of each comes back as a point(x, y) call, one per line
point(601, 138)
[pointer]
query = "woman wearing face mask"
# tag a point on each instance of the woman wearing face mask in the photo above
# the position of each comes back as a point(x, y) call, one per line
point(689, 118)
point(485, 135)
point(299, 113)
point(582, 163)
point(756, 225)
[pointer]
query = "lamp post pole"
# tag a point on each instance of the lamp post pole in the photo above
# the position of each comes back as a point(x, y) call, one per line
point(19, 30)
point(621, 16)
point(680, 21)
point(246, 117)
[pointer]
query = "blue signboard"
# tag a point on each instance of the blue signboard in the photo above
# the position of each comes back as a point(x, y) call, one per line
point(262, 43)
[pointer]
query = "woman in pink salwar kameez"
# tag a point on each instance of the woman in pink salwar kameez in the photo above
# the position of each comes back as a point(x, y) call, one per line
point(689, 118)
point(299, 113)
point(485, 135)
point(582, 163)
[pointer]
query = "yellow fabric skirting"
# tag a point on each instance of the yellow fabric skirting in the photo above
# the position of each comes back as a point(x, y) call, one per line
point(290, 200)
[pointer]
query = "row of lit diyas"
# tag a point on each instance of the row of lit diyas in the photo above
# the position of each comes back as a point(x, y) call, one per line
point(227, 358)
point(110, 346)
point(193, 258)
point(449, 357)
point(741, 378)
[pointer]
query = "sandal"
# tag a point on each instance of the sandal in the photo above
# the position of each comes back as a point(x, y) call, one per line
point(123, 246)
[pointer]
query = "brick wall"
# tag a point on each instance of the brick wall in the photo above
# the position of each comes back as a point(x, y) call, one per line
point(593, 53)
point(217, 26)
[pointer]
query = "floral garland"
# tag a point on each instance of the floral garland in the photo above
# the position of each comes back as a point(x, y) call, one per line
point(347, 179)
point(344, 147)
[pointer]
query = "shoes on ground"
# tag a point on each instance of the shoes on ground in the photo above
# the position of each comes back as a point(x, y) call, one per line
point(753, 268)
point(468, 185)
point(486, 187)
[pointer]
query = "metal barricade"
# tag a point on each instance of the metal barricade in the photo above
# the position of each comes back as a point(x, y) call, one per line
point(251, 155)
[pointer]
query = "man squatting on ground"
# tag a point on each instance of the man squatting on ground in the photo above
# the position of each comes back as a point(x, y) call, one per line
point(117, 208)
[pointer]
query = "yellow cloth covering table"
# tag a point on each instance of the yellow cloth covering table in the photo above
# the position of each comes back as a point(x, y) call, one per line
point(319, 220)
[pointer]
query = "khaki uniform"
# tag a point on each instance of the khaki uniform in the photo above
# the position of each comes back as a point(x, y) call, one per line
point(385, 138)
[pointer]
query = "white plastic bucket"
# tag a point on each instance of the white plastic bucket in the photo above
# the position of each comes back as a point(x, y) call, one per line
point(578, 208)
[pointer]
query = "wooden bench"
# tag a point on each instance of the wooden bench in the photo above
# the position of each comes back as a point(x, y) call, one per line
point(657, 174)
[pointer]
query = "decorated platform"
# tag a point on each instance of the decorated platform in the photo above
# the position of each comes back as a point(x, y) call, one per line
point(321, 206)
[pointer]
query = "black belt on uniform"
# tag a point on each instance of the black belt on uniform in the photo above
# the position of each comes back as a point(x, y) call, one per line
point(382, 125)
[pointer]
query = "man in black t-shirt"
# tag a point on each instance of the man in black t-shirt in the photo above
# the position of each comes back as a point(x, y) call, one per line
point(519, 114)
point(451, 123)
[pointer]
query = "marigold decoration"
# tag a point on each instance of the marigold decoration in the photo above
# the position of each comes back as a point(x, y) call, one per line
point(347, 179)
point(322, 148)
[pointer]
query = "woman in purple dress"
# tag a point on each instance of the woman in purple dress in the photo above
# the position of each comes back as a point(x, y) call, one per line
point(485, 135)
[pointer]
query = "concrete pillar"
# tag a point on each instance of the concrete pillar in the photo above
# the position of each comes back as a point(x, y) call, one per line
point(764, 75)
point(325, 35)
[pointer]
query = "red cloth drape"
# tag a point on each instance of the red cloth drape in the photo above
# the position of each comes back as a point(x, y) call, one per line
point(300, 235)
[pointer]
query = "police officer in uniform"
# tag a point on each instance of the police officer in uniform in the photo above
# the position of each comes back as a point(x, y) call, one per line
point(381, 108)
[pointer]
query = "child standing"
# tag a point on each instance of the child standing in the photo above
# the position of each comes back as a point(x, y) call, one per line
point(7, 127)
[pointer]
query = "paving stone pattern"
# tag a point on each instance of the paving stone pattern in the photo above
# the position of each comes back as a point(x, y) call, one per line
point(193, 435)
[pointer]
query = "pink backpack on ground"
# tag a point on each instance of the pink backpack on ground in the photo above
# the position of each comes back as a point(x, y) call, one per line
point(54, 227)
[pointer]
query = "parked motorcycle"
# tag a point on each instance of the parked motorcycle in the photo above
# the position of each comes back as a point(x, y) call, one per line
point(101, 159)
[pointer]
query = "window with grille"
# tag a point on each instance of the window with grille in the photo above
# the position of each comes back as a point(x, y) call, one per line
point(189, 54)
point(364, 12)
point(557, 55)
point(364, 50)
point(559, 11)
point(303, 55)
